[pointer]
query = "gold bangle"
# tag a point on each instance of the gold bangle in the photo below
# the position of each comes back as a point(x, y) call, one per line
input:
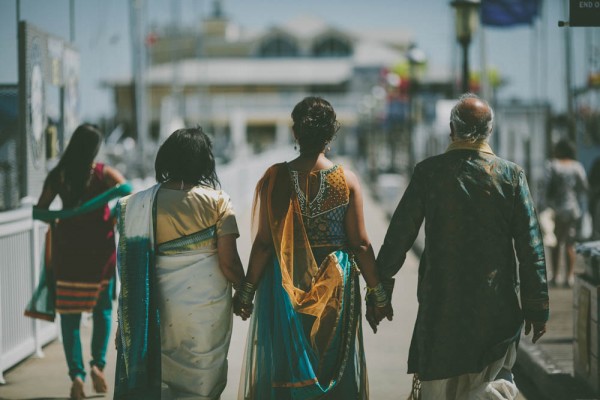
point(378, 295)
point(246, 292)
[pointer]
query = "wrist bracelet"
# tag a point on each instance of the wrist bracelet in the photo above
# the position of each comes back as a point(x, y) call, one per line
point(378, 295)
point(246, 292)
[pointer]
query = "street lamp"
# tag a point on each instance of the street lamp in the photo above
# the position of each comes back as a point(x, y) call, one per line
point(416, 57)
point(467, 20)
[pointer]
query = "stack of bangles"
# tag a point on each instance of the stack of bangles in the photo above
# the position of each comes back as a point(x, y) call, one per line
point(377, 295)
point(246, 293)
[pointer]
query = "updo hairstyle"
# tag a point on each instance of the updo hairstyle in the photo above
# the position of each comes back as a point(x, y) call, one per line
point(315, 124)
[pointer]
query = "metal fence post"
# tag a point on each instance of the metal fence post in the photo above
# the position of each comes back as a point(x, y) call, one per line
point(2, 381)
point(35, 257)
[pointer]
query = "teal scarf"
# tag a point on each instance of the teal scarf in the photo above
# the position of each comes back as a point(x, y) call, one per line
point(90, 205)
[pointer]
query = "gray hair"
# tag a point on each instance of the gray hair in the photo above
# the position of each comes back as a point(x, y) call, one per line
point(479, 129)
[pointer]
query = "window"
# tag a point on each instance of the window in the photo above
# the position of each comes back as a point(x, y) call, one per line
point(278, 47)
point(332, 47)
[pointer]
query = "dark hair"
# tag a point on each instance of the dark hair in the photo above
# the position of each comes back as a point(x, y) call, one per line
point(72, 173)
point(564, 148)
point(315, 124)
point(187, 156)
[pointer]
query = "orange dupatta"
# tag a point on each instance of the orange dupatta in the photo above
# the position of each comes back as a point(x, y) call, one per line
point(313, 290)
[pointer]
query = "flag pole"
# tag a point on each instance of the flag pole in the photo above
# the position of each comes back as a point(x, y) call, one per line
point(543, 77)
point(569, 79)
point(534, 62)
point(484, 78)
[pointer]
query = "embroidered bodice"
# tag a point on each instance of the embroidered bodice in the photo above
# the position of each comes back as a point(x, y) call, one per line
point(324, 214)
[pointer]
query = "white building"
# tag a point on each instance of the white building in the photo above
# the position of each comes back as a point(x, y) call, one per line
point(238, 83)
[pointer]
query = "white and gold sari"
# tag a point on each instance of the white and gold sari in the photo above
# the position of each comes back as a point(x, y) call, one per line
point(192, 296)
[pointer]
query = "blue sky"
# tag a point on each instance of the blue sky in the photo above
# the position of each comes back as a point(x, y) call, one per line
point(102, 37)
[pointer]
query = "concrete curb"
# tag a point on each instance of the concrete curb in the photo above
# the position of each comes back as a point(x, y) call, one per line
point(551, 381)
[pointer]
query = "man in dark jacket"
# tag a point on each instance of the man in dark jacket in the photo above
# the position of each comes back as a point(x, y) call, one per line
point(478, 213)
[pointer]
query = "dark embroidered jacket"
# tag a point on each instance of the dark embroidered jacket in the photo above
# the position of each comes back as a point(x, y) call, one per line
point(478, 213)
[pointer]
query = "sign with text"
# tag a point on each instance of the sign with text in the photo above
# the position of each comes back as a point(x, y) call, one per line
point(584, 13)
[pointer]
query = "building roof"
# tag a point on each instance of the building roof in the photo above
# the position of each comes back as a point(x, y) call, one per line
point(254, 71)
point(399, 38)
point(304, 26)
point(373, 53)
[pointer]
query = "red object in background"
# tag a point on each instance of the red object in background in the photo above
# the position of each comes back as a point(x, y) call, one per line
point(151, 38)
point(474, 86)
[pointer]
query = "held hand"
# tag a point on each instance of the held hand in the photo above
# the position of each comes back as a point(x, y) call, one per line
point(378, 305)
point(384, 312)
point(371, 318)
point(240, 309)
point(539, 328)
point(377, 314)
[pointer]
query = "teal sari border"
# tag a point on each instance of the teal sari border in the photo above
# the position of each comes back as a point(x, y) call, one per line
point(189, 242)
point(138, 367)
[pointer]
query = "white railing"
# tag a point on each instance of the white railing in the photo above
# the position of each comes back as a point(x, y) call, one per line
point(21, 241)
point(272, 105)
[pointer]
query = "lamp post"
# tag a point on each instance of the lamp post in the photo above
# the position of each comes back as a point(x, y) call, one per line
point(415, 56)
point(467, 20)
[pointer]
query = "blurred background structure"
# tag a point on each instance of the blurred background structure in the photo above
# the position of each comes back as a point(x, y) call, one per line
point(140, 69)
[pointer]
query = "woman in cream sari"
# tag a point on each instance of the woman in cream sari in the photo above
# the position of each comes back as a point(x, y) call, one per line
point(177, 262)
point(305, 339)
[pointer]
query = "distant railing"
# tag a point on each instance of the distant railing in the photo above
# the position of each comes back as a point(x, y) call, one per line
point(218, 106)
point(21, 241)
point(239, 178)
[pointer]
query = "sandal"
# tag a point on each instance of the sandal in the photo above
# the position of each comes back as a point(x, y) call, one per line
point(77, 389)
point(98, 380)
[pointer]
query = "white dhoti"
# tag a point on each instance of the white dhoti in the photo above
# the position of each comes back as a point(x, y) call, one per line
point(493, 383)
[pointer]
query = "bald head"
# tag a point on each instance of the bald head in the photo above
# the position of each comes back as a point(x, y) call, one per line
point(471, 118)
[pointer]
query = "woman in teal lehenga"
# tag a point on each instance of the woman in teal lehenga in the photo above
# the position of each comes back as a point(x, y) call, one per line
point(305, 338)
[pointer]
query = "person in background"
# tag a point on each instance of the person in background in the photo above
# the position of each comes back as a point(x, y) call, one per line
point(565, 191)
point(178, 255)
point(305, 338)
point(83, 253)
point(478, 211)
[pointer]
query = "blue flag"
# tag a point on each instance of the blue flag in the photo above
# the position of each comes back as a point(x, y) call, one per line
point(505, 13)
